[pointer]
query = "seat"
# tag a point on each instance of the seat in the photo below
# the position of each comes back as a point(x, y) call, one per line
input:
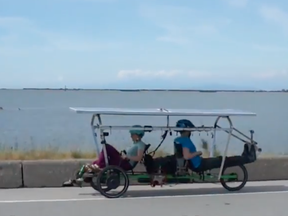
point(147, 146)
point(182, 164)
point(185, 164)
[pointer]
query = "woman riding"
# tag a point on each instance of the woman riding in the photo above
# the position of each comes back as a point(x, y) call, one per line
point(126, 161)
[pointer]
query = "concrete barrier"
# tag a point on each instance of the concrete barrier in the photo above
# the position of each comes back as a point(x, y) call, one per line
point(49, 173)
point(52, 173)
point(268, 169)
point(11, 174)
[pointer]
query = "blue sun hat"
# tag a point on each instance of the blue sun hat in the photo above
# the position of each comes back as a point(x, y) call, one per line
point(140, 132)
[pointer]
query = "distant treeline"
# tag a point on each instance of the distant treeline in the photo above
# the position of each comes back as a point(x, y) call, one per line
point(138, 90)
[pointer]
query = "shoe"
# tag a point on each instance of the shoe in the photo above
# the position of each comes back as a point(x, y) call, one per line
point(252, 154)
point(68, 183)
point(79, 182)
point(246, 150)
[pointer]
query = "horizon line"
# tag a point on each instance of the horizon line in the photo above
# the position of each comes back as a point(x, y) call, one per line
point(147, 89)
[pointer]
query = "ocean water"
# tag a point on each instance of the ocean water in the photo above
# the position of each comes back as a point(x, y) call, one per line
point(41, 118)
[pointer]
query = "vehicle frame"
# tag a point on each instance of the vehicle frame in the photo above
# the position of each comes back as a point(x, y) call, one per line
point(183, 175)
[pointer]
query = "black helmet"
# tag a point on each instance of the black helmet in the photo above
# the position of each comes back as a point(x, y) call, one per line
point(184, 123)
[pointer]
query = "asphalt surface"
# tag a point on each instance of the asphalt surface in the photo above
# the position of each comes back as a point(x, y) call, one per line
point(257, 198)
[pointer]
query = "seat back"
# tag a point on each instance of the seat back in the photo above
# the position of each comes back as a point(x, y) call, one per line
point(178, 150)
point(147, 146)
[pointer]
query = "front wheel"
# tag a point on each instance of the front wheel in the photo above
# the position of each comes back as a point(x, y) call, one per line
point(93, 182)
point(110, 176)
point(241, 173)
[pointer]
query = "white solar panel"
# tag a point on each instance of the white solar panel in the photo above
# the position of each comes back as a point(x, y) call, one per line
point(161, 111)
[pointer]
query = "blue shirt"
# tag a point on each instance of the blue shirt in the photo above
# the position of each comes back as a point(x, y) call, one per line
point(186, 142)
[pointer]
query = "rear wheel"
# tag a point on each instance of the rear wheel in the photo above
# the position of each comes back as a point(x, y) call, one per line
point(241, 177)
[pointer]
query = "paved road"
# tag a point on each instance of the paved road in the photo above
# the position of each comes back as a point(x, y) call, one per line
point(257, 199)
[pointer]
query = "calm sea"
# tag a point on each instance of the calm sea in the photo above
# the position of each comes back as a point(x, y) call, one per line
point(32, 118)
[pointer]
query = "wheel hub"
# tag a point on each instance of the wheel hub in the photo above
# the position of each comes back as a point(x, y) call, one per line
point(113, 181)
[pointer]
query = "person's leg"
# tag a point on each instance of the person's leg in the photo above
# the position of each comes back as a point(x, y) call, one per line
point(214, 163)
point(206, 164)
point(235, 161)
point(125, 165)
point(248, 156)
point(112, 154)
point(210, 163)
point(114, 158)
point(167, 164)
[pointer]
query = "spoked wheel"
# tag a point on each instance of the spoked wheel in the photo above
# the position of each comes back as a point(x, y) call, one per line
point(94, 184)
point(110, 179)
point(241, 178)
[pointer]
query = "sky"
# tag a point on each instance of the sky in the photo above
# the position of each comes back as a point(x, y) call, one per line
point(144, 44)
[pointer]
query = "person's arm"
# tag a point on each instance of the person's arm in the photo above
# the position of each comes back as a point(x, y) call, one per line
point(138, 157)
point(188, 155)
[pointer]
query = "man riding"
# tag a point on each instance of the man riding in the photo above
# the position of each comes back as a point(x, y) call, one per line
point(189, 151)
point(196, 162)
point(185, 149)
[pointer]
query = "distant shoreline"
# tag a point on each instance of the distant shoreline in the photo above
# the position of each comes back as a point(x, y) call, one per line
point(141, 90)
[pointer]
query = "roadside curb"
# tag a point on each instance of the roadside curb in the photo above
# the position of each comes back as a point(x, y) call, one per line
point(52, 173)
